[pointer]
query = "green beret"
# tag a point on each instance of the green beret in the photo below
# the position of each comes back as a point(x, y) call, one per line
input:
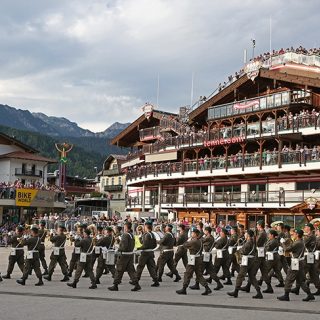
point(34, 228)
point(20, 228)
point(224, 230)
point(170, 226)
point(234, 228)
point(299, 232)
point(250, 233)
point(260, 223)
point(42, 223)
point(195, 230)
point(241, 226)
point(109, 229)
point(148, 223)
point(310, 225)
point(99, 227)
point(287, 227)
point(87, 231)
point(274, 233)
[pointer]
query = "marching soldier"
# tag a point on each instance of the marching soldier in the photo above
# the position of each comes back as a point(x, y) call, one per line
point(149, 243)
point(283, 260)
point(85, 262)
point(317, 253)
point(222, 257)
point(272, 259)
point(310, 266)
point(233, 243)
point(125, 262)
point(97, 250)
point(296, 270)
point(248, 266)
point(76, 251)
point(58, 254)
point(42, 250)
point(106, 243)
point(166, 254)
point(17, 252)
point(194, 264)
point(33, 258)
point(181, 252)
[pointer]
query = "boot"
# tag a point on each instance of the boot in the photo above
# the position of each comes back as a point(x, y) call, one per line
point(280, 285)
point(169, 274)
point(177, 279)
point(246, 288)
point(310, 297)
point(218, 287)
point(260, 282)
point(195, 286)
point(285, 297)
point(39, 283)
point(45, 272)
point(93, 286)
point(136, 287)
point(72, 284)
point(269, 289)
point(155, 283)
point(234, 293)
point(131, 282)
point(6, 276)
point(295, 290)
point(65, 279)
point(47, 277)
point(207, 291)
point(98, 281)
point(182, 291)
point(21, 281)
point(232, 274)
point(258, 295)
point(228, 282)
point(114, 288)
point(317, 293)
point(222, 277)
point(209, 280)
point(70, 274)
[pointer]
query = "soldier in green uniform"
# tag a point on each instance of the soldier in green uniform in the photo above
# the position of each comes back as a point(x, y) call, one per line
point(283, 260)
point(106, 243)
point(222, 257)
point(248, 266)
point(76, 251)
point(194, 264)
point(42, 250)
point(181, 252)
point(149, 243)
point(17, 252)
point(166, 254)
point(233, 243)
point(33, 259)
point(125, 261)
point(272, 259)
point(296, 270)
point(58, 254)
point(85, 262)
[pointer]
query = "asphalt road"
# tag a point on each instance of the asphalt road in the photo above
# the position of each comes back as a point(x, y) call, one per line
point(57, 301)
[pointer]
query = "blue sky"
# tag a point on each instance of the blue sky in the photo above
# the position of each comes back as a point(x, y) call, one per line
point(96, 62)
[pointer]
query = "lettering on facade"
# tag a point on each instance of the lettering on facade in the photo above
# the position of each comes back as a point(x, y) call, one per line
point(223, 141)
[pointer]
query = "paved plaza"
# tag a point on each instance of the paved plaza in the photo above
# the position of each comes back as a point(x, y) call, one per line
point(57, 301)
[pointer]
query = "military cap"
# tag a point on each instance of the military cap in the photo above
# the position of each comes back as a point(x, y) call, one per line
point(42, 223)
point(34, 227)
point(208, 229)
point(225, 231)
point(310, 225)
point(250, 233)
point(260, 223)
point(83, 225)
point(62, 226)
point(109, 229)
point(241, 226)
point(195, 230)
point(100, 227)
point(287, 227)
point(170, 226)
point(234, 228)
point(280, 224)
point(299, 232)
point(20, 228)
point(274, 233)
point(128, 224)
point(148, 223)
point(87, 231)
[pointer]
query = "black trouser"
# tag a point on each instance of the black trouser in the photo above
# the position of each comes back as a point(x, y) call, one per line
point(61, 259)
point(34, 264)
point(19, 259)
point(147, 259)
point(125, 264)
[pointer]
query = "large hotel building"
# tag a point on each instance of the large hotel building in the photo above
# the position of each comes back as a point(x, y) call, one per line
point(249, 151)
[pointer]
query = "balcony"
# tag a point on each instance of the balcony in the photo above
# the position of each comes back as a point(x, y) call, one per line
point(28, 173)
point(262, 103)
point(111, 172)
point(150, 134)
point(113, 188)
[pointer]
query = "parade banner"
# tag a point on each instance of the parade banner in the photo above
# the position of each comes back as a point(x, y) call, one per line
point(34, 198)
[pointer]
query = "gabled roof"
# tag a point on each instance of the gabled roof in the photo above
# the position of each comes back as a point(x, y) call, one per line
point(130, 135)
point(26, 156)
point(5, 139)
point(119, 158)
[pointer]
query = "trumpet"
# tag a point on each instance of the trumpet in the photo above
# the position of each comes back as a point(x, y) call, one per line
point(27, 226)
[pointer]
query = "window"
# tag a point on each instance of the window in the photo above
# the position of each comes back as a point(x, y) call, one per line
point(223, 189)
point(112, 181)
point(308, 185)
point(119, 181)
point(292, 221)
point(115, 166)
point(257, 187)
point(196, 189)
point(107, 181)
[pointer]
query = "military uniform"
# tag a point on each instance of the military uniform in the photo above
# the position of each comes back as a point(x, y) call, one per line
point(75, 256)
point(125, 262)
point(147, 256)
point(181, 252)
point(42, 249)
point(282, 254)
point(33, 259)
point(222, 244)
point(166, 256)
point(58, 256)
point(233, 242)
point(86, 246)
point(105, 243)
point(16, 255)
